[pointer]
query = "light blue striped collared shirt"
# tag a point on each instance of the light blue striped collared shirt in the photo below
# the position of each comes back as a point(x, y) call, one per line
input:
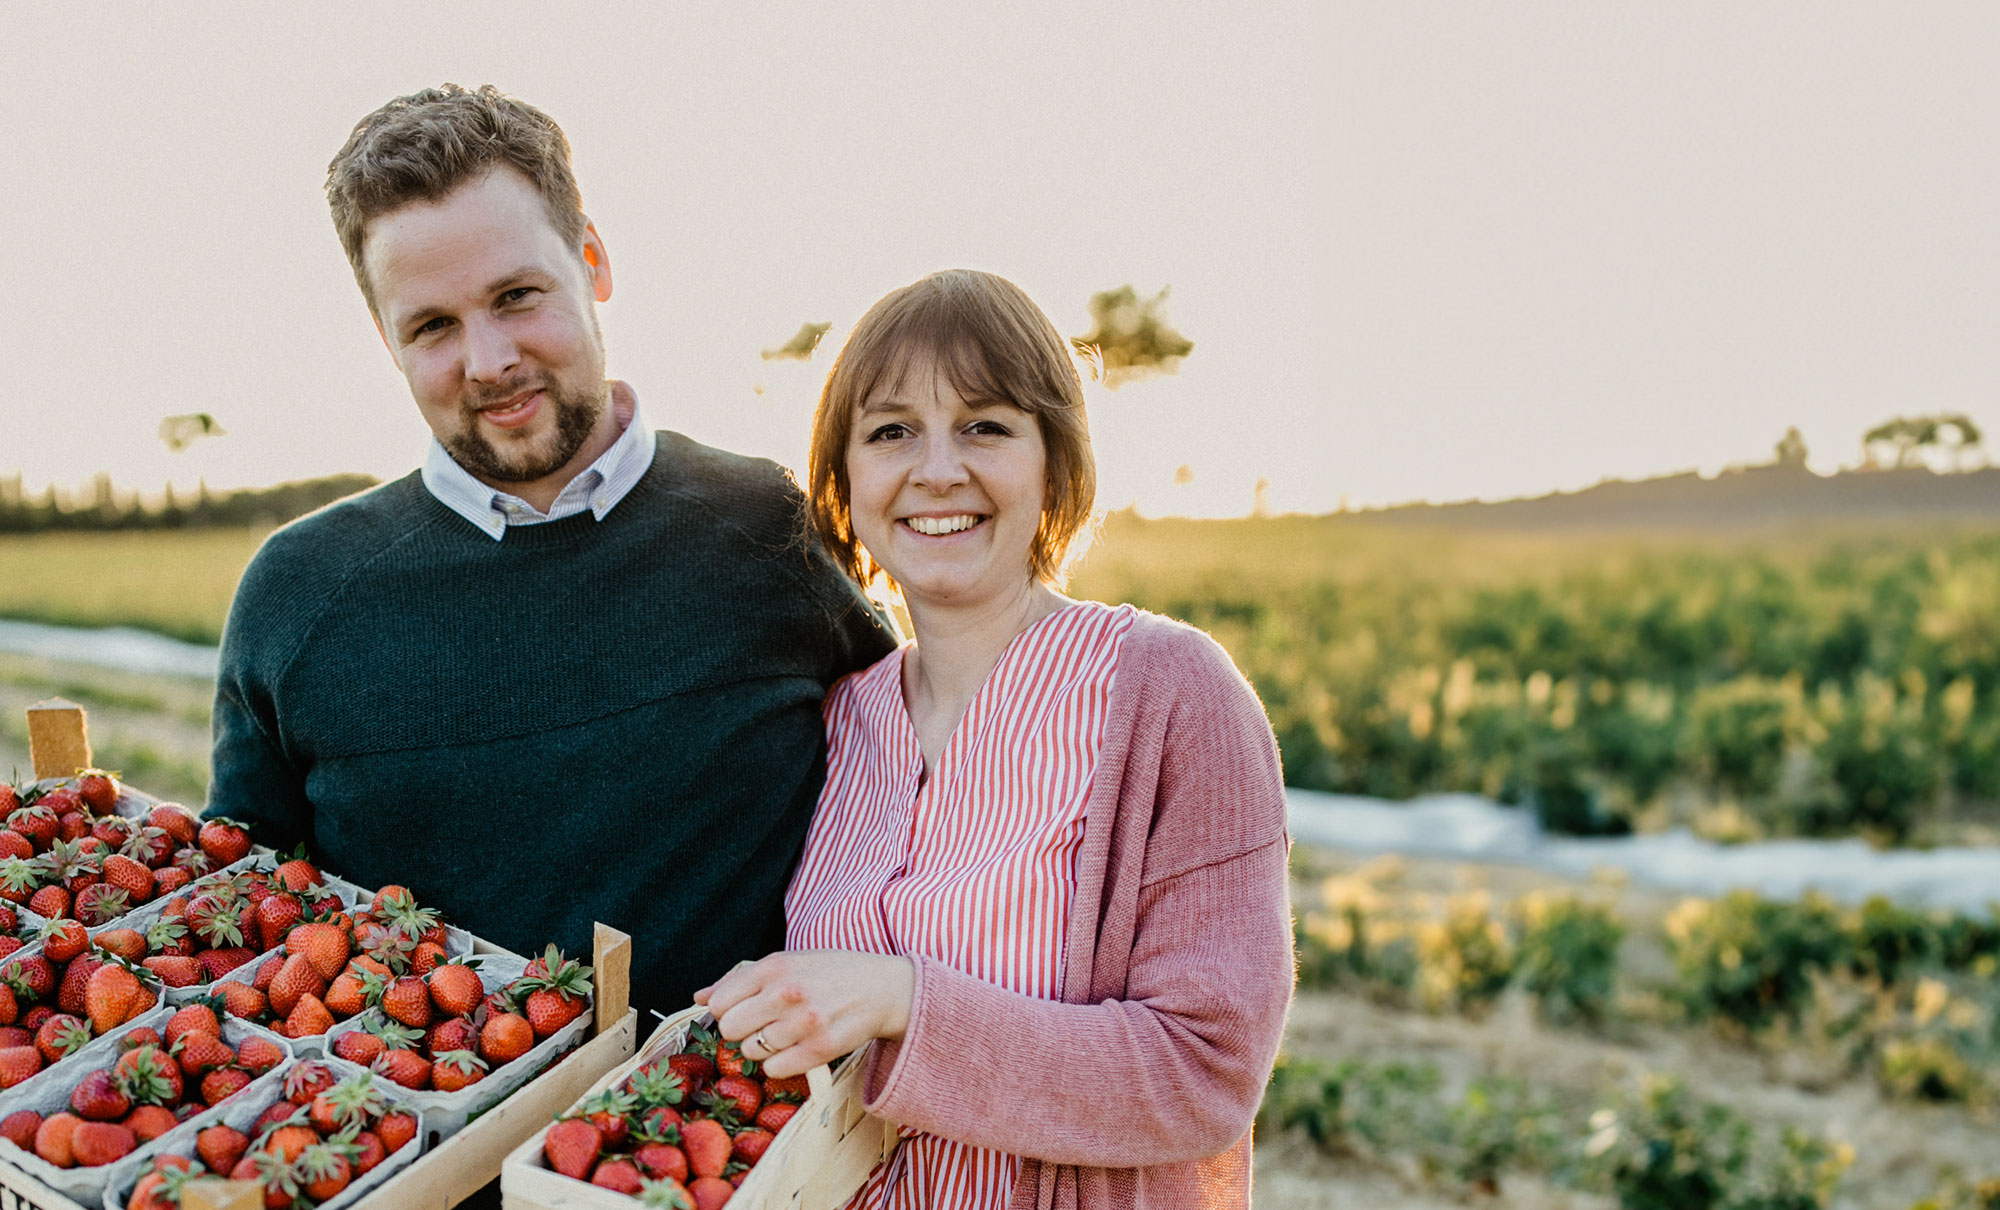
point(598, 487)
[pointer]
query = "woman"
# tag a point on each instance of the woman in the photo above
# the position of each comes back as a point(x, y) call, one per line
point(1048, 865)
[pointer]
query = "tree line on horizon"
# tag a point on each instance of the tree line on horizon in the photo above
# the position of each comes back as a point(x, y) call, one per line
point(108, 507)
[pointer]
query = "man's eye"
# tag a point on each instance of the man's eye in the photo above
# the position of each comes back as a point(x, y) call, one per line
point(517, 294)
point(431, 327)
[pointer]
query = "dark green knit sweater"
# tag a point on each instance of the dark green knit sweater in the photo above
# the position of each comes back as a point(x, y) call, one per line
point(613, 720)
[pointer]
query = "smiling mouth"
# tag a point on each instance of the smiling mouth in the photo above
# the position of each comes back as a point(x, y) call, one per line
point(936, 527)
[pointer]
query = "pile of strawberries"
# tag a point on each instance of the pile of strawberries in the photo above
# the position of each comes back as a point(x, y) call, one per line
point(159, 1080)
point(55, 1000)
point(324, 1134)
point(444, 1031)
point(64, 852)
point(683, 1132)
point(223, 922)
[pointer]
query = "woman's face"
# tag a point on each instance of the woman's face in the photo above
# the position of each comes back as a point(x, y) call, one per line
point(946, 492)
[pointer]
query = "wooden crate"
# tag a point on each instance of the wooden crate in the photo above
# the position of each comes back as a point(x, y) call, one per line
point(462, 1164)
point(817, 1162)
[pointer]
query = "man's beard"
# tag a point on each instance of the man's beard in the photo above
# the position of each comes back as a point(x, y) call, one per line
point(576, 416)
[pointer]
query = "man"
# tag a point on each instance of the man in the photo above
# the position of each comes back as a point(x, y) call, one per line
point(572, 669)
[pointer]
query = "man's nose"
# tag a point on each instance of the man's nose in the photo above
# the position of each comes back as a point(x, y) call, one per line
point(490, 351)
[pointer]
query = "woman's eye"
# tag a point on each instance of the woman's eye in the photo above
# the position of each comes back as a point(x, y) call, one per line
point(888, 432)
point(991, 428)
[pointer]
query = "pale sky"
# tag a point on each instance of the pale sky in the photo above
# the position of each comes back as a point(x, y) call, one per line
point(750, 167)
point(1424, 250)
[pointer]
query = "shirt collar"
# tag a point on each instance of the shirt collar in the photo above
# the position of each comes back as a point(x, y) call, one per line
point(597, 488)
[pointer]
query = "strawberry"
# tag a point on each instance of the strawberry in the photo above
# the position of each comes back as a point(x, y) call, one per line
point(275, 917)
point(148, 1122)
point(310, 1018)
point(324, 1172)
point(10, 800)
point(242, 1000)
point(200, 1053)
point(173, 819)
point(558, 997)
point(456, 1069)
point(368, 1152)
point(222, 1083)
point(129, 944)
point(295, 979)
point(505, 1037)
point(272, 1116)
point(290, 1141)
point(19, 1128)
point(407, 1000)
point(258, 1055)
point(96, 1099)
point(150, 847)
point(224, 840)
point(324, 945)
point(347, 995)
point(661, 1161)
point(709, 1192)
point(219, 962)
point(176, 972)
point(101, 903)
point(396, 1129)
point(452, 1033)
point(98, 790)
point(132, 877)
point(149, 1076)
point(405, 1067)
point(114, 831)
point(707, 1146)
point(19, 879)
point(13, 844)
point(59, 1037)
point(38, 823)
point(96, 1144)
point(786, 1088)
point(75, 979)
point(773, 1117)
point(456, 989)
point(137, 1036)
point(358, 1046)
point(10, 945)
point(171, 879)
point(10, 1006)
point(697, 1072)
point(54, 1136)
point(296, 873)
point(221, 1146)
point(427, 957)
point(115, 996)
point(617, 1174)
point(744, 1095)
point(72, 825)
point(750, 1145)
point(19, 1063)
point(64, 939)
point(198, 1017)
point(49, 902)
point(572, 1146)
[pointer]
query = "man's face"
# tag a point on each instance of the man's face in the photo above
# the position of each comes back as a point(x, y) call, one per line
point(490, 316)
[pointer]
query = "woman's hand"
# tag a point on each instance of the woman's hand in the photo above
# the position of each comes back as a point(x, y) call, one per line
point(793, 1011)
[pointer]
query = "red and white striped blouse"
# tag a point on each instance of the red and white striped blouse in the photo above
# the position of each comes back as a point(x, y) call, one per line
point(974, 868)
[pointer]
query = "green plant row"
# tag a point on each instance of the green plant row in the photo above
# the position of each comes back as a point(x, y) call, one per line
point(1832, 685)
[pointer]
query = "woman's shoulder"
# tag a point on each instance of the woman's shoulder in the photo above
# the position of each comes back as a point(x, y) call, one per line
point(866, 685)
point(1167, 654)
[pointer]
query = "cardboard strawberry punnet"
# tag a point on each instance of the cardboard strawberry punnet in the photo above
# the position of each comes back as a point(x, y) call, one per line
point(329, 1134)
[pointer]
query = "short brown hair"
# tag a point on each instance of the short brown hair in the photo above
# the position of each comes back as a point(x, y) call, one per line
point(421, 147)
point(990, 341)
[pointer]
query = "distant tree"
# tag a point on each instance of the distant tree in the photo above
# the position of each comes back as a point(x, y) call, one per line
point(800, 347)
point(1792, 448)
point(1132, 337)
point(1907, 438)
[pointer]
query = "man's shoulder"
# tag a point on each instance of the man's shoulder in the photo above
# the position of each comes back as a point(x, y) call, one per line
point(354, 524)
point(706, 472)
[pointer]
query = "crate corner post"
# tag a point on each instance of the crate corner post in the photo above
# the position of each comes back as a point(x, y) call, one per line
point(611, 956)
point(58, 738)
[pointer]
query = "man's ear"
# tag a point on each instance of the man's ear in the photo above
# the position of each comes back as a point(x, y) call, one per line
point(597, 261)
point(385, 337)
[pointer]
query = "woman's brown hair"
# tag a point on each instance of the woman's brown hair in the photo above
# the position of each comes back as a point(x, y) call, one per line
point(990, 341)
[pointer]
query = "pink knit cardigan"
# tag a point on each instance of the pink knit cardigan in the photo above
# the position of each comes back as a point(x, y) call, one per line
point(1139, 1088)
